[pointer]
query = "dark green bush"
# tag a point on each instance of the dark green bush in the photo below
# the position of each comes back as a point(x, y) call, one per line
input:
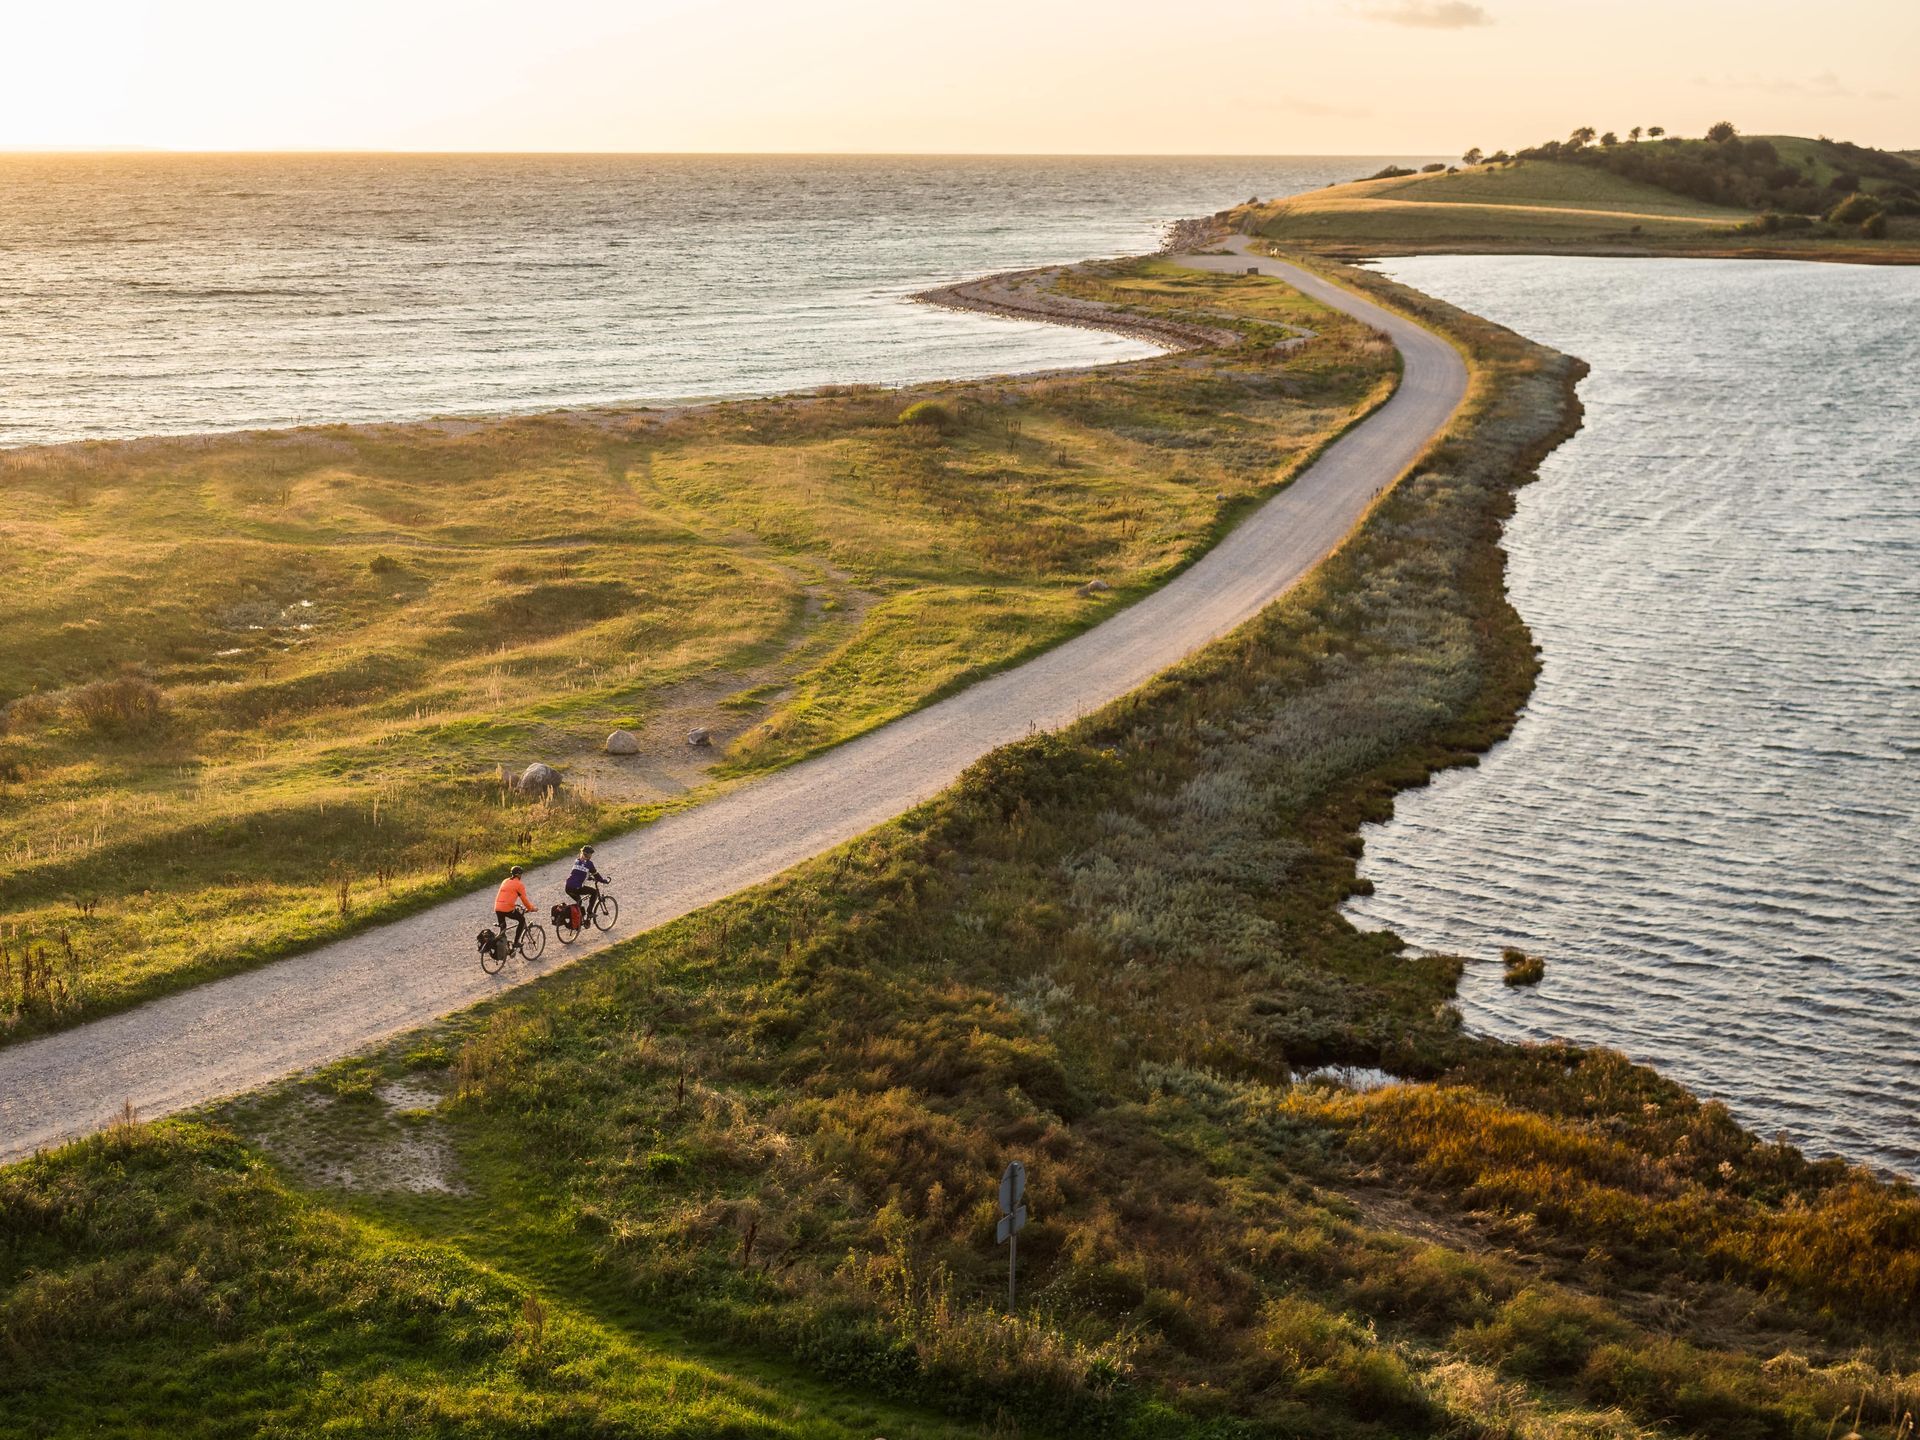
point(1856, 209)
point(931, 414)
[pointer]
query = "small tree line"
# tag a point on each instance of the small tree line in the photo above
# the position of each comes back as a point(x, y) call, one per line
point(1722, 168)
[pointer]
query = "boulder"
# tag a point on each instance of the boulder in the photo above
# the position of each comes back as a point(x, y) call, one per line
point(1094, 587)
point(538, 779)
point(701, 736)
point(623, 742)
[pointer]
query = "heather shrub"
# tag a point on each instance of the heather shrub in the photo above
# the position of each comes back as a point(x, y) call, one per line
point(129, 705)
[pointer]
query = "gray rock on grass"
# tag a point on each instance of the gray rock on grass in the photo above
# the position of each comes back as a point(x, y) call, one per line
point(623, 742)
point(1094, 587)
point(701, 736)
point(538, 779)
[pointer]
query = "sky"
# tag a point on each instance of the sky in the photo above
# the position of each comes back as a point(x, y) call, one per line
point(905, 76)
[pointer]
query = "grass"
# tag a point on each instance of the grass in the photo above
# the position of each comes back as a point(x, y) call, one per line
point(1520, 968)
point(1542, 206)
point(257, 690)
point(767, 1136)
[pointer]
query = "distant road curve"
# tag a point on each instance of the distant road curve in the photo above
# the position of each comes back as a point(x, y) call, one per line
point(234, 1034)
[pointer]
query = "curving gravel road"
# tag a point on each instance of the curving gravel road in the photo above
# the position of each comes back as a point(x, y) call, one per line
point(233, 1034)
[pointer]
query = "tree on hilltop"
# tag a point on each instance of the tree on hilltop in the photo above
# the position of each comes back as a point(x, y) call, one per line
point(1583, 136)
point(1654, 132)
point(1472, 157)
point(1634, 134)
point(1722, 132)
point(1609, 138)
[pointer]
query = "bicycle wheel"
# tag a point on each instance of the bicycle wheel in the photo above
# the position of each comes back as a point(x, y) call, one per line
point(535, 942)
point(567, 931)
point(492, 958)
point(606, 912)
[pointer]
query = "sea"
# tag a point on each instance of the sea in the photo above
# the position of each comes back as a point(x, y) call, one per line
point(157, 294)
point(1707, 821)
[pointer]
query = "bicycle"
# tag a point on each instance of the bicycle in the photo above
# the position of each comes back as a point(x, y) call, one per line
point(600, 912)
point(529, 944)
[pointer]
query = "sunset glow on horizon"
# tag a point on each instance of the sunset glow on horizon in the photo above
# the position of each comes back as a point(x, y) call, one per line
point(1288, 77)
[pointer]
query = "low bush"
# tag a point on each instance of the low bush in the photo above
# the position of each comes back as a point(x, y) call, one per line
point(1856, 209)
point(129, 705)
point(1543, 1334)
point(931, 415)
point(1522, 968)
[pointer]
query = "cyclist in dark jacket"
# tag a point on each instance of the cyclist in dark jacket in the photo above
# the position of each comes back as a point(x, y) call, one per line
point(578, 890)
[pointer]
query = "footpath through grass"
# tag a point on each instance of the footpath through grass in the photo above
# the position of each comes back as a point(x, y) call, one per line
point(774, 1128)
point(258, 689)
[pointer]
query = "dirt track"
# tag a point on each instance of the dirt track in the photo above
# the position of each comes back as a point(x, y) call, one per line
point(231, 1035)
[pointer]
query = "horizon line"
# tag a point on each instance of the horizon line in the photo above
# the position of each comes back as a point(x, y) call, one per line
point(58, 150)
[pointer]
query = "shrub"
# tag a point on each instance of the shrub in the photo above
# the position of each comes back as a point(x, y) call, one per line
point(930, 414)
point(384, 565)
point(1543, 1334)
point(1389, 172)
point(1328, 1358)
point(129, 705)
point(1874, 227)
point(1856, 209)
point(1522, 968)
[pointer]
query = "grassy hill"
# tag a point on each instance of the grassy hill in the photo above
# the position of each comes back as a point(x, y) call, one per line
point(736, 1177)
point(1778, 195)
point(1487, 206)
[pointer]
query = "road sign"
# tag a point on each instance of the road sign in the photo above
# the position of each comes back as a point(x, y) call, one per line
point(1013, 1187)
point(1013, 1218)
point(1011, 1225)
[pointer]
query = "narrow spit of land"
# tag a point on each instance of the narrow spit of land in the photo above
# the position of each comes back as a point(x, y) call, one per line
point(240, 1032)
point(259, 691)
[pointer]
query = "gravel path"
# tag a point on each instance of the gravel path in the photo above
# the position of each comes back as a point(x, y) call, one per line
point(234, 1034)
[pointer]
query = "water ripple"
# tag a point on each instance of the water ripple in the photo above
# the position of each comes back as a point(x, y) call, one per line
point(167, 293)
point(1709, 816)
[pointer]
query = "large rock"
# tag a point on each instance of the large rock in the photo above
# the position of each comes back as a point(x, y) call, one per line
point(623, 742)
point(538, 779)
point(1093, 587)
point(701, 736)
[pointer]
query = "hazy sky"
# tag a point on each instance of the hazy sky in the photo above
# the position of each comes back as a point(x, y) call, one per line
point(1115, 76)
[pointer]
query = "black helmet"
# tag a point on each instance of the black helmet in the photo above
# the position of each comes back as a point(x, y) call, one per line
point(586, 849)
point(514, 872)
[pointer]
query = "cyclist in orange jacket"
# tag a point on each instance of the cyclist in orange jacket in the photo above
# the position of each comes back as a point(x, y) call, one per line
point(512, 903)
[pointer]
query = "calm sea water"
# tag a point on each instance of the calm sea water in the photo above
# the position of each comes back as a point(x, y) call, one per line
point(1708, 820)
point(151, 294)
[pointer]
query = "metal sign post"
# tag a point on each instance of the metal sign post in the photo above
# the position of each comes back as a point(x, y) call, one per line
point(1013, 1219)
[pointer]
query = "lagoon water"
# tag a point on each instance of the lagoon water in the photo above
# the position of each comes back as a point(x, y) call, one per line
point(147, 294)
point(1708, 819)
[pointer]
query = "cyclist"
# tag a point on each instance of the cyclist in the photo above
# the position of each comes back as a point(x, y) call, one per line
point(578, 890)
point(512, 903)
